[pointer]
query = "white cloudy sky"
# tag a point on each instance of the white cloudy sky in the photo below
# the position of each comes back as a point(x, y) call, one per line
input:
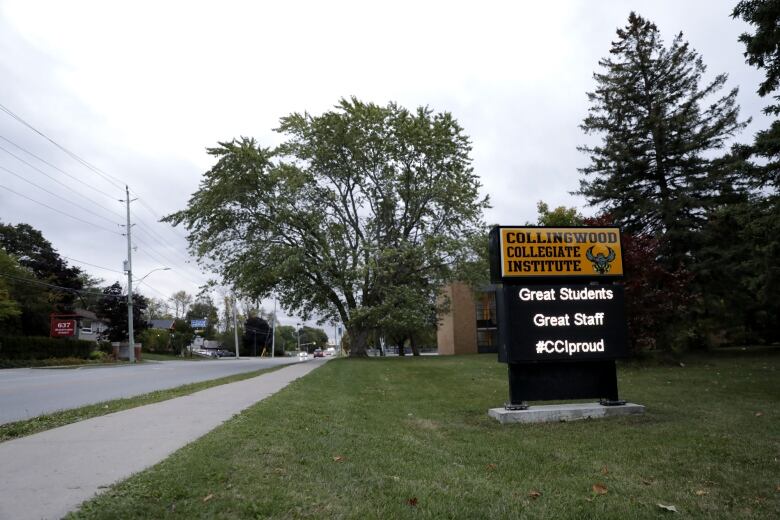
point(139, 89)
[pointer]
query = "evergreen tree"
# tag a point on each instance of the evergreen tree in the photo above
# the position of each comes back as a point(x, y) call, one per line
point(658, 125)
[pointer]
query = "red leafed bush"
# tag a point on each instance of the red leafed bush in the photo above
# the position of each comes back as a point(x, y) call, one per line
point(657, 299)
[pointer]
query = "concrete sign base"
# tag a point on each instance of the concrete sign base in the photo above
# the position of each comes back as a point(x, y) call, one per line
point(563, 412)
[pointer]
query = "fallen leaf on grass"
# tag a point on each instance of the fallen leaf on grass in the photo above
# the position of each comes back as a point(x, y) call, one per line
point(673, 509)
point(208, 497)
point(777, 488)
point(702, 492)
point(339, 458)
point(647, 482)
point(605, 470)
point(759, 414)
point(491, 467)
point(534, 494)
point(411, 501)
point(599, 489)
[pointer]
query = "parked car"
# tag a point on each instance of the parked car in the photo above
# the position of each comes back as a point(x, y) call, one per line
point(318, 352)
point(330, 351)
point(225, 353)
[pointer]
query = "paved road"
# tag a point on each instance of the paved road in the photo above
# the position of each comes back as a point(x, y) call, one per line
point(29, 392)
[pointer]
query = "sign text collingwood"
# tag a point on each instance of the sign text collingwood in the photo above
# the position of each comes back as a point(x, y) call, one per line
point(570, 252)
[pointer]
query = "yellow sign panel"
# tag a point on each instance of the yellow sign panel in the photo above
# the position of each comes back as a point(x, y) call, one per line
point(540, 252)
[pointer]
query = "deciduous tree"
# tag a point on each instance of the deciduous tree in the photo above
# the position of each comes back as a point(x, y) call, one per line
point(332, 219)
point(113, 308)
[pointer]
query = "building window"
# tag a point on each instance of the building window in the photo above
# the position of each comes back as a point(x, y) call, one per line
point(487, 341)
point(86, 326)
point(486, 309)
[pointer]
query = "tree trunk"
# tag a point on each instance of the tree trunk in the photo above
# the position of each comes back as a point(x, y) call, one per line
point(401, 349)
point(415, 350)
point(358, 343)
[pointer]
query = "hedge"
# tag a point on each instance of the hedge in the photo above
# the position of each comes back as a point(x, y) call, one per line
point(31, 347)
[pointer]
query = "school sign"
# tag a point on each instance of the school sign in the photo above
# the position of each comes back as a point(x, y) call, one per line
point(560, 311)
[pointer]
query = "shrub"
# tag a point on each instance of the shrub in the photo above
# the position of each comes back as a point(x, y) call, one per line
point(32, 347)
point(155, 340)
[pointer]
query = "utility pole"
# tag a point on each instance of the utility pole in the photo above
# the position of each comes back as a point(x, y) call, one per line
point(129, 267)
point(273, 331)
point(235, 324)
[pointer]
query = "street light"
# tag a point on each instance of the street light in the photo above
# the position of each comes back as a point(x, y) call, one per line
point(130, 336)
point(152, 271)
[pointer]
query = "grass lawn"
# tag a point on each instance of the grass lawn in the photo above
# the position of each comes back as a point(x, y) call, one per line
point(408, 438)
point(18, 429)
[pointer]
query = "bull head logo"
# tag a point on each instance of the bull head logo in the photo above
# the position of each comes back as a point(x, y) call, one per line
point(601, 263)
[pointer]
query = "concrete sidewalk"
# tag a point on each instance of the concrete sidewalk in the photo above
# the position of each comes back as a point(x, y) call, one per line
point(51, 473)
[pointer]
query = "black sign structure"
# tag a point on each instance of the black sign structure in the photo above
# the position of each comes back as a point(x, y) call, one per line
point(559, 337)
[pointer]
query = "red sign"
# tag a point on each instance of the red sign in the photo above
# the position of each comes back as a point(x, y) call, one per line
point(62, 328)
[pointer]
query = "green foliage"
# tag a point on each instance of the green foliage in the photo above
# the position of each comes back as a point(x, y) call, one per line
point(37, 255)
point(761, 48)
point(285, 338)
point(560, 216)
point(312, 337)
point(658, 126)
point(256, 337)
point(739, 273)
point(182, 336)
point(155, 340)
point(32, 347)
point(20, 292)
point(355, 201)
point(9, 307)
point(204, 308)
point(113, 308)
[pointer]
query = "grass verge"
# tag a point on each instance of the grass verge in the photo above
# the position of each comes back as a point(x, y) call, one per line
point(18, 429)
point(152, 356)
point(409, 438)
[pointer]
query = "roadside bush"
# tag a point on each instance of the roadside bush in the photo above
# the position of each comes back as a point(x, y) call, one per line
point(32, 347)
point(155, 340)
point(97, 355)
point(105, 347)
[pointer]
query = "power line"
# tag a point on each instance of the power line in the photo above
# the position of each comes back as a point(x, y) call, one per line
point(155, 290)
point(92, 265)
point(157, 238)
point(60, 287)
point(80, 292)
point(157, 217)
point(82, 161)
point(98, 190)
point(58, 196)
point(111, 179)
point(165, 260)
point(95, 169)
point(61, 212)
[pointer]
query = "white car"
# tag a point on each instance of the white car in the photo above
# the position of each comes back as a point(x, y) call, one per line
point(303, 355)
point(330, 351)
